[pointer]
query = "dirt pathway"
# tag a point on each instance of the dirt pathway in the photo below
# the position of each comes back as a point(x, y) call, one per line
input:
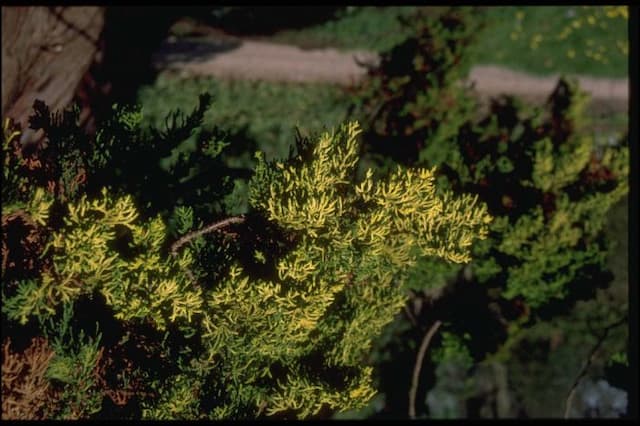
point(259, 60)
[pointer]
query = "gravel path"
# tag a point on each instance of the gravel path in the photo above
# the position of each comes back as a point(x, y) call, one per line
point(258, 60)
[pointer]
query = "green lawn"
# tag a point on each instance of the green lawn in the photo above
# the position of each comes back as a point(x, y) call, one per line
point(367, 28)
point(590, 40)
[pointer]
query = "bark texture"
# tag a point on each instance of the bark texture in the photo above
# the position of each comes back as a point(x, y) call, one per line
point(46, 52)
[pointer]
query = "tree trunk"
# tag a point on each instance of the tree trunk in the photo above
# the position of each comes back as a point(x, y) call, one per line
point(46, 51)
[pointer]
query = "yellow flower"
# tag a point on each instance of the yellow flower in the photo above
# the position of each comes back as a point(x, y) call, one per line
point(591, 20)
point(514, 36)
point(519, 15)
point(571, 53)
point(624, 12)
point(615, 11)
point(623, 46)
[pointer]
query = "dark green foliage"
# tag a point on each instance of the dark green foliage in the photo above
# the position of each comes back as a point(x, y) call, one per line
point(16, 167)
point(539, 174)
point(81, 377)
point(163, 169)
point(413, 102)
point(64, 149)
point(73, 369)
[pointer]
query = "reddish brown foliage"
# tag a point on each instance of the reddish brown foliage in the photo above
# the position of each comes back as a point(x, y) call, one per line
point(26, 394)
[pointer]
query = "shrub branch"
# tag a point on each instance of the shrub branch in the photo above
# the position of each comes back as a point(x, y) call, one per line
point(418, 366)
point(210, 228)
point(587, 364)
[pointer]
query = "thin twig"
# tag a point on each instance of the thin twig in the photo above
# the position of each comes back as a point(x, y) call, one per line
point(587, 364)
point(261, 407)
point(416, 369)
point(210, 228)
point(410, 316)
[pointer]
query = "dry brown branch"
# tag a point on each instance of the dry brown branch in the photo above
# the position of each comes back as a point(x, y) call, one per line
point(207, 229)
point(588, 362)
point(418, 366)
point(410, 316)
point(195, 234)
point(25, 390)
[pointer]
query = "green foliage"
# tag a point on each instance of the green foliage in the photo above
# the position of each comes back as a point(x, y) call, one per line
point(86, 258)
point(15, 180)
point(179, 400)
point(335, 289)
point(20, 191)
point(354, 27)
point(73, 368)
point(162, 169)
point(287, 332)
point(63, 156)
point(255, 114)
point(36, 207)
point(552, 207)
point(547, 184)
point(453, 349)
point(547, 357)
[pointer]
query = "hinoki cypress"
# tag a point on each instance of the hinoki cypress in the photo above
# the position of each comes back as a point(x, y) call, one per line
point(288, 343)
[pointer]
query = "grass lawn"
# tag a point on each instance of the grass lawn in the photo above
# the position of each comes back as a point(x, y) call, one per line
point(367, 28)
point(589, 40)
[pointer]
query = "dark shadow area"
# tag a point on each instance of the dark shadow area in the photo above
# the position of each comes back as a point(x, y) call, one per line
point(266, 20)
point(191, 50)
point(131, 35)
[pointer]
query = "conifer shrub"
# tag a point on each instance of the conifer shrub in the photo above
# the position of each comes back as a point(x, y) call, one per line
point(150, 313)
point(540, 175)
point(525, 164)
point(413, 102)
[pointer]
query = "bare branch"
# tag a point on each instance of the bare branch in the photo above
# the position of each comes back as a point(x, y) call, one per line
point(587, 364)
point(410, 316)
point(210, 228)
point(418, 366)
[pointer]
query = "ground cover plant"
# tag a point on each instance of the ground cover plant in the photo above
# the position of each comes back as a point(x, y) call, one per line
point(353, 27)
